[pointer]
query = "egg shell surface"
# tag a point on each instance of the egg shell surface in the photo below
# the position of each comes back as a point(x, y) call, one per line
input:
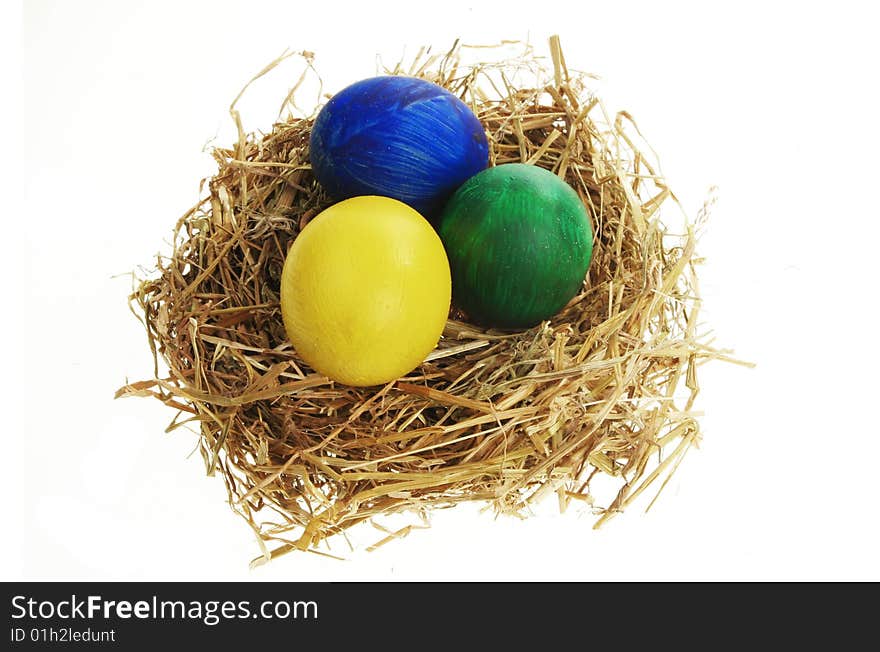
point(399, 137)
point(365, 291)
point(519, 242)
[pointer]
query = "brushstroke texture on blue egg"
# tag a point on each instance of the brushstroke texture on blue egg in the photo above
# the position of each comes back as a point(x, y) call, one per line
point(399, 137)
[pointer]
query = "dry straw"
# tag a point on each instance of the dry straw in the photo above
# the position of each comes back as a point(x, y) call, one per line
point(605, 389)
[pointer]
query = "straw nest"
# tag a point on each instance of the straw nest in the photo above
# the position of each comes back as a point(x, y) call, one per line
point(601, 392)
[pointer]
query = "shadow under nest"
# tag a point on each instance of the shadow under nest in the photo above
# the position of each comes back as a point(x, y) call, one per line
point(604, 388)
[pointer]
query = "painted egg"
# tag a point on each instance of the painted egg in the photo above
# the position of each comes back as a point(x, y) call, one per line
point(519, 243)
point(398, 137)
point(365, 291)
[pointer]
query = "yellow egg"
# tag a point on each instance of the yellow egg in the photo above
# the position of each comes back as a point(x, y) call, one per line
point(365, 291)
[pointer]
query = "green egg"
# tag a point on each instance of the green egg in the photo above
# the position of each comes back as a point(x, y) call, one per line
point(519, 243)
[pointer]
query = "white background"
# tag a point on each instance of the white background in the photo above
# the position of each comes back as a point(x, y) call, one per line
point(775, 103)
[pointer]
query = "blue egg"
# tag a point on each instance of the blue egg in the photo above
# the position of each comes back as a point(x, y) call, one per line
point(399, 137)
